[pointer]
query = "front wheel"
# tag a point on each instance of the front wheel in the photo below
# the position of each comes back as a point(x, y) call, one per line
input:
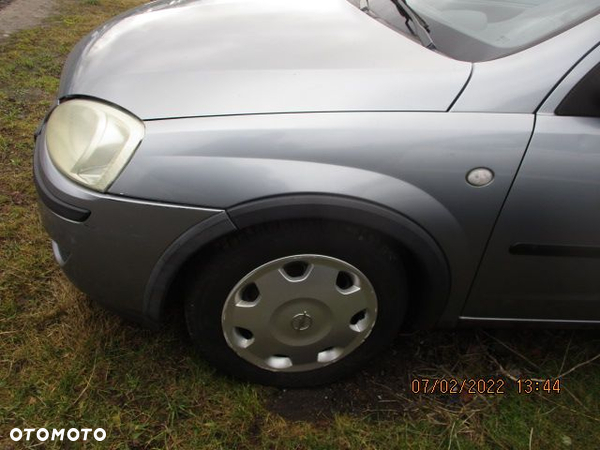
point(296, 304)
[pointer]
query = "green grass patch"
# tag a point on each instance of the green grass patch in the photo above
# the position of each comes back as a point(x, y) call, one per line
point(64, 362)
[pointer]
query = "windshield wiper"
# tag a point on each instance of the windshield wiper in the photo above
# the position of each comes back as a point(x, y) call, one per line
point(421, 28)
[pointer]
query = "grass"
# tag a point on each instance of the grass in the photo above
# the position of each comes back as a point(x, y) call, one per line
point(65, 363)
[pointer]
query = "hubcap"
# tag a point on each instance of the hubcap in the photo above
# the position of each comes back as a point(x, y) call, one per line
point(299, 313)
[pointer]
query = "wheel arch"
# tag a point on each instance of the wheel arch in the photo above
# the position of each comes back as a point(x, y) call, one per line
point(427, 261)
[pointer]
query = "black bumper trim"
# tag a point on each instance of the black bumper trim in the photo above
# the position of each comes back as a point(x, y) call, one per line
point(58, 206)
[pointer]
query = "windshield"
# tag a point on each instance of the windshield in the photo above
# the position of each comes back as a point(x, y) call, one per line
point(481, 30)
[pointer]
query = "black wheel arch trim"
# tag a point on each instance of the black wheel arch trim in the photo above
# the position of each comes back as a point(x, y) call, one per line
point(369, 215)
point(174, 258)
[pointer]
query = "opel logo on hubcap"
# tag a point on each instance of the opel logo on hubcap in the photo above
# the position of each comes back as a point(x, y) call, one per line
point(302, 321)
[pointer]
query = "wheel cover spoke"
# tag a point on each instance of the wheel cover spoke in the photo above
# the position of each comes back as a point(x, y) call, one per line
point(299, 313)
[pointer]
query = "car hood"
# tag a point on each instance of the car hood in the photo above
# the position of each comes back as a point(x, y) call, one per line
point(186, 58)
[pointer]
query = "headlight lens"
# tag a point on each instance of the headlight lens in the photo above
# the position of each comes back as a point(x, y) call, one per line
point(91, 142)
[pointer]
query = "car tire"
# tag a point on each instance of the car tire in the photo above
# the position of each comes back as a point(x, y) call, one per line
point(295, 304)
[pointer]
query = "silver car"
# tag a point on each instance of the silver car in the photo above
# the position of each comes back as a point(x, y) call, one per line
point(305, 177)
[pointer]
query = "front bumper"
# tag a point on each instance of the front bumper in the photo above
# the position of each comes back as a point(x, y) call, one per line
point(109, 246)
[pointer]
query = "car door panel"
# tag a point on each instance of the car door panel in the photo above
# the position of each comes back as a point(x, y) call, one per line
point(543, 259)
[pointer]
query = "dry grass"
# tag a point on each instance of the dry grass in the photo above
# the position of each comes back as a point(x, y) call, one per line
point(64, 362)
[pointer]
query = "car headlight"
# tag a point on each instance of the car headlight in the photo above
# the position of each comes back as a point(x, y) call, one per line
point(91, 142)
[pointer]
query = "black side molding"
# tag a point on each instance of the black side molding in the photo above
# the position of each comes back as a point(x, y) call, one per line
point(59, 207)
point(555, 250)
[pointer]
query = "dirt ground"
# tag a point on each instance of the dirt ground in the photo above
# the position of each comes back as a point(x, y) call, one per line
point(19, 14)
point(4, 3)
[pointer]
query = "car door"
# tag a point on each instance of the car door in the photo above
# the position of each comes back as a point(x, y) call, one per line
point(543, 259)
